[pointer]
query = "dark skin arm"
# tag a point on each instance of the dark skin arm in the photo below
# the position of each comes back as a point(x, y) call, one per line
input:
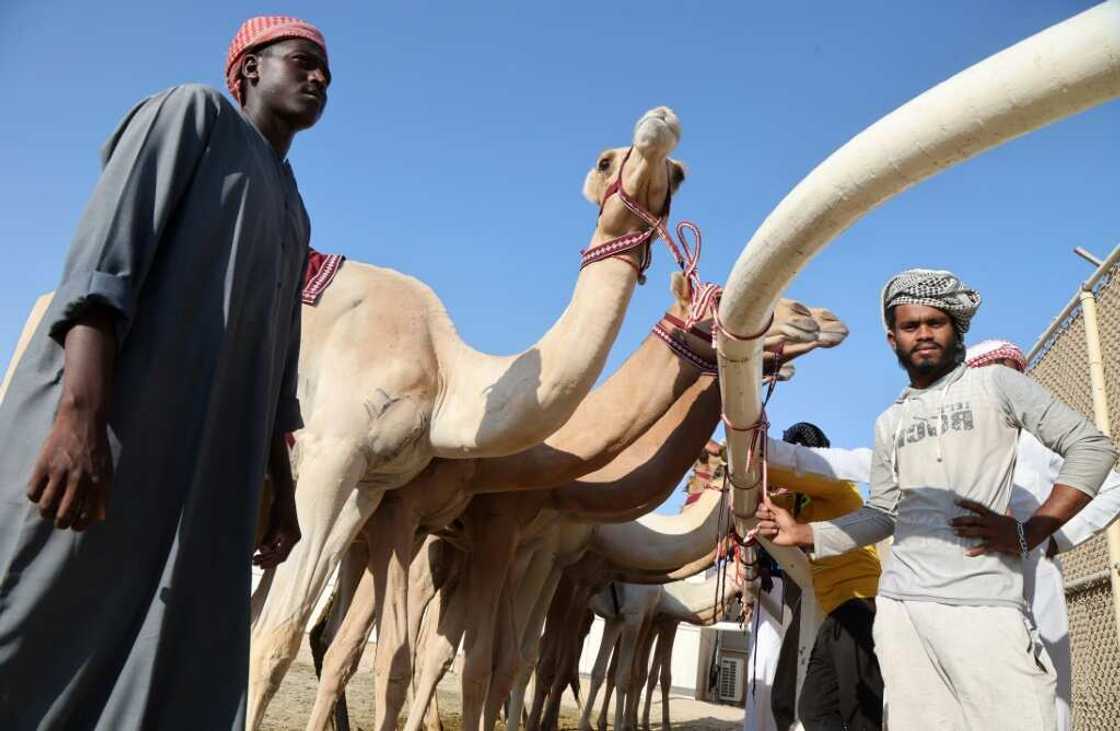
point(778, 525)
point(997, 532)
point(73, 475)
point(282, 533)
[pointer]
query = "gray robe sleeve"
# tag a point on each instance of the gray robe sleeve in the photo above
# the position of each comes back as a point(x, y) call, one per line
point(875, 520)
point(288, 417)
point(146, 166)
point(1088, 454)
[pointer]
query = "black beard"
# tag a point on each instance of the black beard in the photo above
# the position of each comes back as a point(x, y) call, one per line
point(950, 359)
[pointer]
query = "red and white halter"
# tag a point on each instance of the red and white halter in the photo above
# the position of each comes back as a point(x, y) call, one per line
point(705, 296)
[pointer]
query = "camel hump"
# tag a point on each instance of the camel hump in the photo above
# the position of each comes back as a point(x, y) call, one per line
point(394, 291)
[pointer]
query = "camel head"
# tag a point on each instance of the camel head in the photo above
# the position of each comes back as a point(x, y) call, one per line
point(648, 176)
point(707, 469)
point(800, 329)
point(833, 330)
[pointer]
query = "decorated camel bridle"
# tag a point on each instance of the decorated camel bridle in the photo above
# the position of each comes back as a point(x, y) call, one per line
point(704, 299)
point(703, 303)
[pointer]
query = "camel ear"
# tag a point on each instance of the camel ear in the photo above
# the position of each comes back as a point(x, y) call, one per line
point(591, 188)
point(677, 174)
point(680, 288)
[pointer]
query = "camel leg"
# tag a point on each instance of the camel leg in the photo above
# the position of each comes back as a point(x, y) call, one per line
point(492, 553)
point(323, 633)
point(440, 632)
point(612, 674)
point(505, 658)
point(546, 665)
point(541, 684)
point(638, 674)
point(516, 711)
point(612, 628)
point(568, 659)
point(552, 679)
point(665, 652)
point(432, 721)
point(422, 587)
point(527, 579)
point(627, 649)
point(577, 653)
point(331, 510)
point(431, 571)
point(393, 655)
point(651, 683)
point(544, 564)
point(345, 651)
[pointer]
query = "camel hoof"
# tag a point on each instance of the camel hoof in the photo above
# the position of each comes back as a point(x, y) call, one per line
point(657, 132)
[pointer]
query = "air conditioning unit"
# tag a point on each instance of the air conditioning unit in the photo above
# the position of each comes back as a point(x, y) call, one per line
point(731, 679)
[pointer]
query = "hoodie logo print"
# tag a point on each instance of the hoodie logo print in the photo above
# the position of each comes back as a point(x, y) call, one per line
point(953, 418)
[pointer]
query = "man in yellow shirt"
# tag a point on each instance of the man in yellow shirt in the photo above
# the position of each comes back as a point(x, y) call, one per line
point(843, 686)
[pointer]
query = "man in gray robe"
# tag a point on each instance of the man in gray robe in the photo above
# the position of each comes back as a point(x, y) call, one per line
point(165, 367)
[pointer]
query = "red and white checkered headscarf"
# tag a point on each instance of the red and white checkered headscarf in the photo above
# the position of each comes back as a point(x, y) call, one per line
point(987, 352)
point(258, 31)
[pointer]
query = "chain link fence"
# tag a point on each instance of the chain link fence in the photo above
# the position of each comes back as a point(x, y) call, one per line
point(1061, 363)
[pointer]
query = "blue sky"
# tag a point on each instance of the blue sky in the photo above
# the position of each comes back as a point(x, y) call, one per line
point(458, 134)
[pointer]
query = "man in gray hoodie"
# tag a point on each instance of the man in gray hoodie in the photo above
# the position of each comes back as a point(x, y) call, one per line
point(955, 645)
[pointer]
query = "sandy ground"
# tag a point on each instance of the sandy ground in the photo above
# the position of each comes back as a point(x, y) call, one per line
point(290, 708)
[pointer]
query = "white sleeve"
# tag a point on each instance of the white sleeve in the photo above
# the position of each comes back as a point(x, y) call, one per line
point(1101, 511)
point(851, 465)
point(875, 520)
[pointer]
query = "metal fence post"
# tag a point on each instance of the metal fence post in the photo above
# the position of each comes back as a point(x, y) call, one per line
point(1100, 414)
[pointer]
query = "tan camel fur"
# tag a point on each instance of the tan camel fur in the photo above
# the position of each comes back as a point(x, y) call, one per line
point(660, 669)
point(612, 414)
point(491, 527)
point(510, 598)
point(573, 540)
point(592, 573)
point(608, 419)
point(386, 384)
point(631, 612)
point(648, 482)
point(37, 311)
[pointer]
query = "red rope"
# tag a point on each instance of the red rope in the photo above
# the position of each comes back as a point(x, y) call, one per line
point(758, 445)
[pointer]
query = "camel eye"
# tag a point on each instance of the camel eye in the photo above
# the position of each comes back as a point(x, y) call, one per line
point(604, 164)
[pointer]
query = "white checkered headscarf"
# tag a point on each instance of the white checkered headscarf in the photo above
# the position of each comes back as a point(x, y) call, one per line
point(933, 288)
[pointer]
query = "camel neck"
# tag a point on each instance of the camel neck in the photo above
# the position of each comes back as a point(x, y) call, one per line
point(498, 405)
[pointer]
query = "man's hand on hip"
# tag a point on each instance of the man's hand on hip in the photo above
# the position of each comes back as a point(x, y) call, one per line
point(997, 533)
